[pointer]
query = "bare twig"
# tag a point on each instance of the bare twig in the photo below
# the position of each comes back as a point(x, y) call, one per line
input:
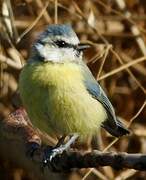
point(45, 14)
point(137, 114)
point(129, 71)
point(8, 19)
point(125, 66)
point(103, 61)
point(56, 12)
point(34, 23)
point(134, 29)
point(118, 161)
point(125, 16)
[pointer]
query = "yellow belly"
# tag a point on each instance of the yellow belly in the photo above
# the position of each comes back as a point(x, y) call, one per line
point(57, 101)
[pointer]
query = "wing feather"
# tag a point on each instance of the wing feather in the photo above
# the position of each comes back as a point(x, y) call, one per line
point(112, 124)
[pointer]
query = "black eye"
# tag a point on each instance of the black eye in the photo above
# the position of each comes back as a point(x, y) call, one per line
point(61, 43)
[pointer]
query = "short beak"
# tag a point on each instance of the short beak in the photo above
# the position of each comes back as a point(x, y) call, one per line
point(83, 46)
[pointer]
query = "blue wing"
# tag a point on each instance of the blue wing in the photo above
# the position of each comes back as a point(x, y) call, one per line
point(112, 124)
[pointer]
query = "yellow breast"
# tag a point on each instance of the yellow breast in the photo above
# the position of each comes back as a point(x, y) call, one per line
point(57, 101)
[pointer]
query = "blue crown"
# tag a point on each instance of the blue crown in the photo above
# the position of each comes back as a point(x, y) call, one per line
point(58, 30)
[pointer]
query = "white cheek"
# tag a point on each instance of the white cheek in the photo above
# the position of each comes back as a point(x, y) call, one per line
point(49, 53)
point(52, 54)
point(68, 54)
point(57, 54)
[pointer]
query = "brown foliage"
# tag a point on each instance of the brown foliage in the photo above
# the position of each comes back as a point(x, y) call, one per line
point(117, 60)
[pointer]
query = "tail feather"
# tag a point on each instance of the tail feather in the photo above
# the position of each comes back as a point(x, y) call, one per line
point(118, 130)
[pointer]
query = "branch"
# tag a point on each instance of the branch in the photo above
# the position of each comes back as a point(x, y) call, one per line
point(16, 131)
point(94, 159)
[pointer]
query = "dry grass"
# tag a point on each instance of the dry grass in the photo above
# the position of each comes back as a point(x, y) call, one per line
point(117, 31)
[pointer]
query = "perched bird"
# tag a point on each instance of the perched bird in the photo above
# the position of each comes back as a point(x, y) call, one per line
point(60, 94)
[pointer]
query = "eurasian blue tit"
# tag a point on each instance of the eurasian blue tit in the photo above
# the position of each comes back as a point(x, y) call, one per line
point(59, 92)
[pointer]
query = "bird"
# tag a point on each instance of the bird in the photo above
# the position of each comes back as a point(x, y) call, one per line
point(59, 92)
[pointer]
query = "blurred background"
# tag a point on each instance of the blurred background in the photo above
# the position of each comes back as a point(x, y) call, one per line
point(117, 31)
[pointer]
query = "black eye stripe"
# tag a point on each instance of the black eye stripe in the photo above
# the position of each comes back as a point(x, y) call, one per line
point(60, 44)
point(63, 44)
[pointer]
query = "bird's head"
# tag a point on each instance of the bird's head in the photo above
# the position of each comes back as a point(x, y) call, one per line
point(58, 44)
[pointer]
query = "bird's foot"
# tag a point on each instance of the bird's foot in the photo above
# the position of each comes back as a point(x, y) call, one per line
point(31, 148)
point(50, 153)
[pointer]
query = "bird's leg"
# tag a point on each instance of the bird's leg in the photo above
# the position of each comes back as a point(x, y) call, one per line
point(49, 154)
point(60, 141)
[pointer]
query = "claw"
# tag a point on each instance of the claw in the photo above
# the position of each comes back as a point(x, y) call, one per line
point(51, 152)
point(56, 151)
point(46, 155)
